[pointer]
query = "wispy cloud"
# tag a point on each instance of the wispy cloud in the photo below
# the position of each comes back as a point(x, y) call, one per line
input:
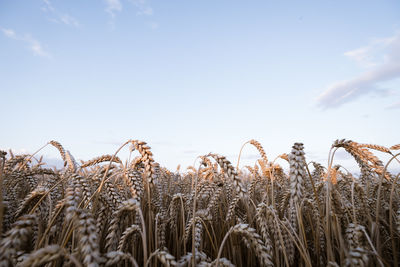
point(68, 20)
point(371, 55)
point(380, 58)
point(59, 17)
point(153, 25)
point(113, 6)
point(143, 7)
point(34, 45)
point(9, 33)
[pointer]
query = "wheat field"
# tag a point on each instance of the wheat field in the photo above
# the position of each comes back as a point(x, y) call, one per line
point(113, 212)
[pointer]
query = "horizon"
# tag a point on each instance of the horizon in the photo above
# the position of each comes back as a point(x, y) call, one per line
point(199, 77)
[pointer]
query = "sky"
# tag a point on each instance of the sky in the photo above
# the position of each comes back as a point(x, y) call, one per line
point(193, 77)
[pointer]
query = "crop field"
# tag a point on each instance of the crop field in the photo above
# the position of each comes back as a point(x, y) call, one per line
point(133, 212)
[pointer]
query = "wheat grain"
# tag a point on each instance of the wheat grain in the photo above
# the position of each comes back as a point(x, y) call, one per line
point(100, 159)
point(395, 147)
point(16, 240)
point(43, 255)
point(80, 216)
point(255, 242)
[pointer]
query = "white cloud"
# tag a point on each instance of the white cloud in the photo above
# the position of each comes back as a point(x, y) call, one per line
point(33, 44)
point(154, 25)
point(58, 17)
point(361, 55)
point(113, 6)
point(37, 48)
point(143, 7)
point(371, 55)
point(68, 20)
point(9, 33)
point(382, 60)
point(48, 6)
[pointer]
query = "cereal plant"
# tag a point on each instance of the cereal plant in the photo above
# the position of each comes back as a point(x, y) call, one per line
point(111, 212)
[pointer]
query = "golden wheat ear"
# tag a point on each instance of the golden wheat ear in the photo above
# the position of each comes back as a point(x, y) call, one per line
point(395, 147)
point(147, 158)
point(260, 149)
point(376, 147)
point(230, 172)
point(110, 215)
point(258, 146)
point(103, 158)
point(60, 149)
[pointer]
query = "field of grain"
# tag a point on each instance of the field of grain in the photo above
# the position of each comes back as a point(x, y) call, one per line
point(113, 212)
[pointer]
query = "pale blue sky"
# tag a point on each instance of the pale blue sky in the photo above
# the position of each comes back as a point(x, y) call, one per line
point(192, 77)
